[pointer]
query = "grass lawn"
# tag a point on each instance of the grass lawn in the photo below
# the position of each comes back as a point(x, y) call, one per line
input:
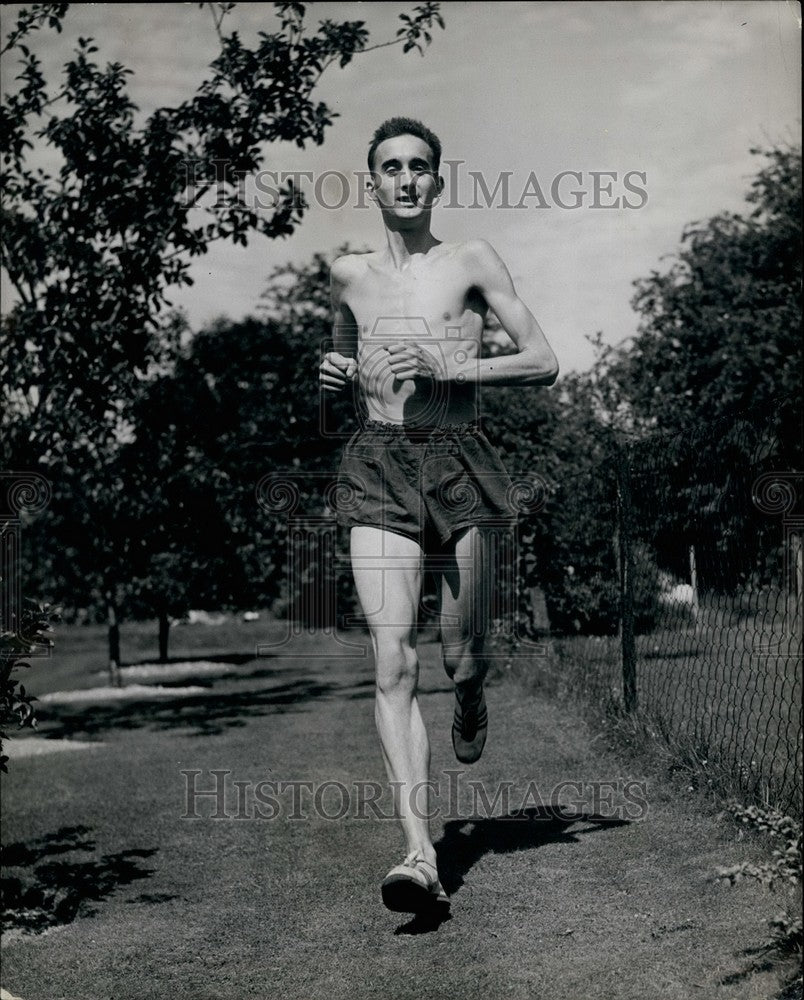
point(133, 899)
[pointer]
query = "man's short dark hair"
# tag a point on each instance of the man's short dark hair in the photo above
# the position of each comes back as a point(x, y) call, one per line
point(393, 127)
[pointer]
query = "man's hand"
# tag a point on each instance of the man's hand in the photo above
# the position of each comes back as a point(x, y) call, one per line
point(335, 372)
point(413, 361)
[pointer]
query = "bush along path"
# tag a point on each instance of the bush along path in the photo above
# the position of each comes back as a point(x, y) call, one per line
point(231, 841)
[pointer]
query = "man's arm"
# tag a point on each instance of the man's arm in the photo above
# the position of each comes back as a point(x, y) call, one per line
point(339, 366)
point(533, 364)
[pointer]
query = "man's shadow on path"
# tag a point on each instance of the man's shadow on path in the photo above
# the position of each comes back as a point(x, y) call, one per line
point(465, 841)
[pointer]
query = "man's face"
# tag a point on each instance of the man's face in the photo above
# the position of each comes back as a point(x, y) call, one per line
point(404, 184)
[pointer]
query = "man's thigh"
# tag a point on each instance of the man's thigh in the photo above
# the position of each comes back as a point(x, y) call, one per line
point(464, 587)
point(387, 568)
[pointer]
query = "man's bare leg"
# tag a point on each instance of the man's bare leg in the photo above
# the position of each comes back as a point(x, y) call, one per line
point(387, 569)
point(465, 599)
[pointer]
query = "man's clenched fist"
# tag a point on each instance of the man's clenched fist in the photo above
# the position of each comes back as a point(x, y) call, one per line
point(336, 371)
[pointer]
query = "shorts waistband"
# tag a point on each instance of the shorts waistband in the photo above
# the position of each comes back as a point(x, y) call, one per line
point(422, 433)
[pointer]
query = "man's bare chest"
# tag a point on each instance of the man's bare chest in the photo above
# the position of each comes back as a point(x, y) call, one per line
point(437, 302)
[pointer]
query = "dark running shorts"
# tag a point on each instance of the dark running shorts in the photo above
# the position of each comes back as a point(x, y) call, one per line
point(426, 483)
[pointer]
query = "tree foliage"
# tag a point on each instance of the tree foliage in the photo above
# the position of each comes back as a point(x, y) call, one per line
point(720, 327)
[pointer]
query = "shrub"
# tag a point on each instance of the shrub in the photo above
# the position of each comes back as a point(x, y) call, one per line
point(785, 867)
point(15, 702)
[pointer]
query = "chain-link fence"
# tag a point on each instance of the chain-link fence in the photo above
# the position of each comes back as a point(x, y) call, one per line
point(672, 572)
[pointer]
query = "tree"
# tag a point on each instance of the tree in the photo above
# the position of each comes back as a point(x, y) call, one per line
point(241, 402)
point(719, 331)
point(716, 370)
point(182, 526)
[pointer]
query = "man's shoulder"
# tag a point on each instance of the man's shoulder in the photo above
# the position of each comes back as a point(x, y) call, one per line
point(347, 267)
point(479, 248)
point(473, 250)
point(476, 258)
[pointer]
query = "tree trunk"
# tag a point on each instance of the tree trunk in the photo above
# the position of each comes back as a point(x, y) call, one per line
point(164, 632)
point(114, 640)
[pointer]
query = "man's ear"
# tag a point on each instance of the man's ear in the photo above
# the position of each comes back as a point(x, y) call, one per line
point(439, 186)
point(371, 186)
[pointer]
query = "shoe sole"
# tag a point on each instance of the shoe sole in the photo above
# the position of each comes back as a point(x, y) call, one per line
point(403, 895)
point(470, 755)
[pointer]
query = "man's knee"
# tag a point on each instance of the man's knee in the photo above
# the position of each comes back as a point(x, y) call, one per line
point(397, 664)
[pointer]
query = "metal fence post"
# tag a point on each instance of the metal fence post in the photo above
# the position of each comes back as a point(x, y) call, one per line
point(696, 604)
point(626, 560)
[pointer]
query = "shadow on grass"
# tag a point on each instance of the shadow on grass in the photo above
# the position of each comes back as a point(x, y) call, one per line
point(236, 659)
point(749, 970)
point(207, 714)
point(38, 896)
point(465, 841)
point(765, 958)
point(792, 990)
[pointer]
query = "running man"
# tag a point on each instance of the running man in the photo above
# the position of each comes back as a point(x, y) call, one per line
point(408, 325)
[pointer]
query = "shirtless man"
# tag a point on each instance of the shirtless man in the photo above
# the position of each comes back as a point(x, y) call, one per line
point(408, 325)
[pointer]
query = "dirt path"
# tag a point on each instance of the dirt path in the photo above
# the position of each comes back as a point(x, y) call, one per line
point(149, 904)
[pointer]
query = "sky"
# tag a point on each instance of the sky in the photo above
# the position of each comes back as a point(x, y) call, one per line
point(673, 94)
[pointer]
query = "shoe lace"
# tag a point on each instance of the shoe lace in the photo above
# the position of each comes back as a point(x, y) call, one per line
point(415, 858)
point(470, 714)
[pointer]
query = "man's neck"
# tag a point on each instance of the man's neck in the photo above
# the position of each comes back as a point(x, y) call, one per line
point(404, 243)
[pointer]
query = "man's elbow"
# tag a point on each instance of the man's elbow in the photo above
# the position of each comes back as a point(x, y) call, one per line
point(544, 370)
point(550, 375)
